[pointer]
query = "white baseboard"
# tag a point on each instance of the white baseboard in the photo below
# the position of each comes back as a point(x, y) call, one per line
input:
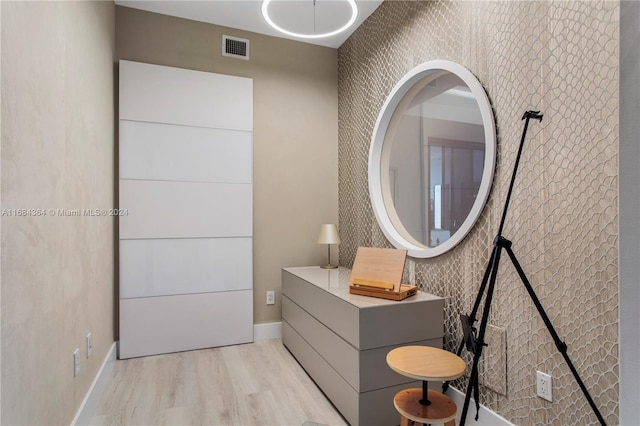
point(91, 399)
point(486, 416)
point(270, 330)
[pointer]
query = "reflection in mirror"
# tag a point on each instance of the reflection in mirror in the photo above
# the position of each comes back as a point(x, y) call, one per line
point(432, 158)
point(437, 157)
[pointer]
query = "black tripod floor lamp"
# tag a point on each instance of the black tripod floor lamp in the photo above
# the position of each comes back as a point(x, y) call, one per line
point(473, 338)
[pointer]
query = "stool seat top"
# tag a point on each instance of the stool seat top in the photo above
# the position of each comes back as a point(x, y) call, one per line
point(426, 363)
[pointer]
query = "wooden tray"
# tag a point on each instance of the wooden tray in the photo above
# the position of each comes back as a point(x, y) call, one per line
point(405, 291)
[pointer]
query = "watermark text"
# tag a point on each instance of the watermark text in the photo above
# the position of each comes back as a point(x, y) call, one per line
point(58, 212)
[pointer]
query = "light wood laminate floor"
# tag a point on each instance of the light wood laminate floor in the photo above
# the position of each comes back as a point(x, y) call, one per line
point(253, 384)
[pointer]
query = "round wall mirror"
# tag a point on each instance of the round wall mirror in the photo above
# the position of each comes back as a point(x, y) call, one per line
point(432, 158)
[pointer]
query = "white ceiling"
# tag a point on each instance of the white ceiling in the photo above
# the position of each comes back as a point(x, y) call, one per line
point(247, 15)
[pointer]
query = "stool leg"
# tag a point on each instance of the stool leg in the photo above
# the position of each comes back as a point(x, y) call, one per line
point(450, 423)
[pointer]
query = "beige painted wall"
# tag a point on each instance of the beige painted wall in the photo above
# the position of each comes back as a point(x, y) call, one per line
point(295, 132)
point(57, 153)
point(562, 58)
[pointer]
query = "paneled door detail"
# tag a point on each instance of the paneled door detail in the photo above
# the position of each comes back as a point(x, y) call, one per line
point(186, 187)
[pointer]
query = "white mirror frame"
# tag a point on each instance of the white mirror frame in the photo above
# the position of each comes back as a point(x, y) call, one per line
point(379, 157)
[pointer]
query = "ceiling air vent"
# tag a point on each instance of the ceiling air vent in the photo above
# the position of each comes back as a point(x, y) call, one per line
point(235, 47)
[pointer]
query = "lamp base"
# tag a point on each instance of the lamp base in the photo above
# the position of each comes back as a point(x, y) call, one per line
point(328, 266)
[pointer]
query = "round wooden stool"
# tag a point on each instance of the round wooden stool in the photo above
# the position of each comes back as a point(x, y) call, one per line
point(425, 363)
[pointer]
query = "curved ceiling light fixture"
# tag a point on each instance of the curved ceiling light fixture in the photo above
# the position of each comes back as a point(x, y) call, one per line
point(354, 15)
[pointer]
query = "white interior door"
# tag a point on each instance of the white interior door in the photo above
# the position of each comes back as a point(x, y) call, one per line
point(186, 185)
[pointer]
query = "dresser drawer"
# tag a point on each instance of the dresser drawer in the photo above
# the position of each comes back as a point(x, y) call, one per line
point(337, 352)
point(336, 314)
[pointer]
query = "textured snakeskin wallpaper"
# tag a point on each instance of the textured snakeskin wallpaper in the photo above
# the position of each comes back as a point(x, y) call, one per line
point(560, 58)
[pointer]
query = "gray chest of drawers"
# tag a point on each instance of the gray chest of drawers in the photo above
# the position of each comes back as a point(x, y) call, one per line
point(342, 339)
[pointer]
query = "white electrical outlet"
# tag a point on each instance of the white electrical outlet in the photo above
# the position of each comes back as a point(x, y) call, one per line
point(89, 345)
point(544, 386)
point(76, 362)
point(271, 298)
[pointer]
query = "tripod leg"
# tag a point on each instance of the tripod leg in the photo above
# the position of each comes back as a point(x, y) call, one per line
point(476, 306)
point(473, 379)
point(562, 347)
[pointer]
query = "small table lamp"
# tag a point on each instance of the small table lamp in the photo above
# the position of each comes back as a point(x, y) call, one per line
point(328, 235)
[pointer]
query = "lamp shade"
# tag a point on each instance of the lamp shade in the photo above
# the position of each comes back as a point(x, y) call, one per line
point(328, 234)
